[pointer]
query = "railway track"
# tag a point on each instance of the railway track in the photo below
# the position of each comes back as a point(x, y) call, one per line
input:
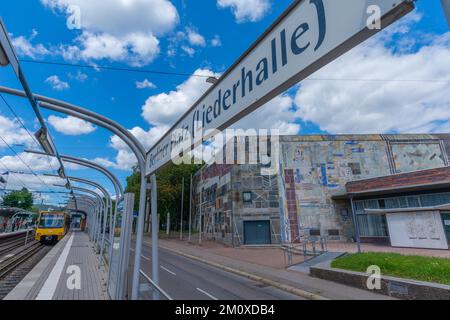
point(10, 244)
point(17, 260)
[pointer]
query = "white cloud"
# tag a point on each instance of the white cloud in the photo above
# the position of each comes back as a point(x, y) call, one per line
point(189, 51)
point(165, 108)
point(145, 84)
point(125, 159)
point(279, 113)
point(246, 10)
point(31, 182)
point(24, 47)
point(35, 162)
point(127, 33)
point(71, 126)
point(57, 83)
point(195, 38)
point(347, 106)
point(136, 49)
point(216, 41)
point(121, 17)
point(79, 76)
point(12, 131)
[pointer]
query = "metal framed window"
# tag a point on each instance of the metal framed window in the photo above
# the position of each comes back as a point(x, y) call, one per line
point(247, 196)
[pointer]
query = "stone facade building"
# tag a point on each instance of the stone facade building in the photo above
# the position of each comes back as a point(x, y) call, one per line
point(309, 197)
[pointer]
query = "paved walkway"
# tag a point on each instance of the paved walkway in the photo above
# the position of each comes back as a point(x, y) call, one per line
point(54, 278)
point(240, 261)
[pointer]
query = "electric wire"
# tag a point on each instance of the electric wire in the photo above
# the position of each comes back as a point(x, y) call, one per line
point(21, 159)
point(26, 129)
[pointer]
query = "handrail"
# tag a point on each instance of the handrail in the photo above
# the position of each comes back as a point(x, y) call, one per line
point(155, 286)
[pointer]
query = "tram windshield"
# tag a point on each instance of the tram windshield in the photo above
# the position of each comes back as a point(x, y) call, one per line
point(51, 221)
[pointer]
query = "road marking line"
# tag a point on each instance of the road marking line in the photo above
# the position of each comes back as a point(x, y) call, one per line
point(9, 255)
point(142, 256)
point(171, 272)
point(49, 287)
point(206, 293)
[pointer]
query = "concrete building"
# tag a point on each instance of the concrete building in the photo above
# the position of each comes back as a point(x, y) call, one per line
point(393, 183)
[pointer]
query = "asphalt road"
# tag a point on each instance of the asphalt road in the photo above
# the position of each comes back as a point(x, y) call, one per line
point(186, 279)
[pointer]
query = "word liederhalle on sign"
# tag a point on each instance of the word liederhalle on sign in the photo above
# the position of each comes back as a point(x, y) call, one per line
point(307, 36)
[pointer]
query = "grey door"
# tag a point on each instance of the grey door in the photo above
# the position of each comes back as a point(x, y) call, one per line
point(257, 232)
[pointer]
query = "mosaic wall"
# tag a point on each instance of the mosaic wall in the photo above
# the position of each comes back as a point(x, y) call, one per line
point(298, 201)
point(417, 156)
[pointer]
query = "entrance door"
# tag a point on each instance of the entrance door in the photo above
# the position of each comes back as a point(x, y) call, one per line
point(446, 219)
point(257, 232)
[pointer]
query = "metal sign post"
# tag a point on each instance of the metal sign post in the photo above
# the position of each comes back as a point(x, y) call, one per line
point(182, 203)
point(155, 230)
point(190, 209)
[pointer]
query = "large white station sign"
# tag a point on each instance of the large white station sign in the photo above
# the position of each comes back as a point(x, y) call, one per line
point(307, 36)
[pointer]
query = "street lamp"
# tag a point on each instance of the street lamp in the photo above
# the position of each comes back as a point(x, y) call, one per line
point(212, 80)
point(45, 141)
point(62, 173)
point(7, 54)
point(3, 58)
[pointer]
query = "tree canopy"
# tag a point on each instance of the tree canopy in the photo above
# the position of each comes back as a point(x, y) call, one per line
point(19, 199)
point(169, 182)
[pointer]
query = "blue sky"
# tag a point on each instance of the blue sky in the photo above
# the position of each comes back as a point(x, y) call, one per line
point(205, 37)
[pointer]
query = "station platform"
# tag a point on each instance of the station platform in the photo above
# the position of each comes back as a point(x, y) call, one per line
point(70, 271)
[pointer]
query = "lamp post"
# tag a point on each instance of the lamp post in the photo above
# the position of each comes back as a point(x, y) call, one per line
point(139, 152)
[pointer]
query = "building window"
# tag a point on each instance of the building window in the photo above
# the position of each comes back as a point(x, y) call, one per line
point(375, 225)
point(413, 202)
point(356, 167)
point(333, 232)
point(247, 196)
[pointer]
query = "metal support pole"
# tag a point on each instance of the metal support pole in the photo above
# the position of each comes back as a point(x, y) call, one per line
point(190, 209)
point(356, 225)
point(182, 207)
point(201, 205)
point(140, 235)
point(155, 230)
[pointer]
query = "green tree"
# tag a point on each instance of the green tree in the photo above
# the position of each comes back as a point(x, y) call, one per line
point(19, 199)
point(169, 182)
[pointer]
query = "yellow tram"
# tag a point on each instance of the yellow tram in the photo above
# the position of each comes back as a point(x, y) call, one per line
point(52, 226)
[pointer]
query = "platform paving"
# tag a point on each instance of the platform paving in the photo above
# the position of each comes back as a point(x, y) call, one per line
point(49, 279)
